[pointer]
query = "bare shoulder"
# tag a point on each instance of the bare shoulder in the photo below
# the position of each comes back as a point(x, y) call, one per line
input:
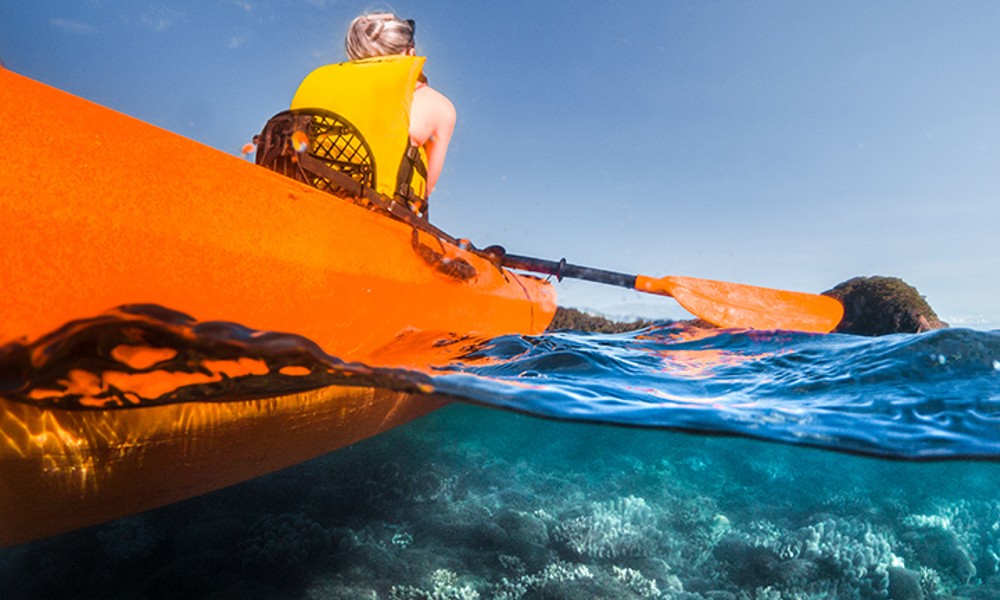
point(434, 101)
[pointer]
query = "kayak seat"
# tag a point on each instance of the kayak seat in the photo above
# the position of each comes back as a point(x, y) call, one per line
point(324, 150)
point(320, 148)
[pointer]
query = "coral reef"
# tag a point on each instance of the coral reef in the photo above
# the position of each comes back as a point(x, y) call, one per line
point(619, 528)
point(847, 556)
point(283, 539)
point(129, 539)
point(519, 509)
point(444, 586)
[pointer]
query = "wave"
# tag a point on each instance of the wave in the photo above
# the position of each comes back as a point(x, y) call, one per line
point(928, 396)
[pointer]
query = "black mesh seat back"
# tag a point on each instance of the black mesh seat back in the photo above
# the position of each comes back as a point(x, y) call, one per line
point(323, 135)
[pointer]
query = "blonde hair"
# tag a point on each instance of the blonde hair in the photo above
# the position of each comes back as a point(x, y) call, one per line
point(378, 34)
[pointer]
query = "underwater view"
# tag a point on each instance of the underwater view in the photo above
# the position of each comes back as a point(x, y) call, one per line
point(668, 462)
point(267, 333)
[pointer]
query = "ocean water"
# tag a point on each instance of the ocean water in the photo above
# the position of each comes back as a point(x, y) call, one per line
point(927, 396)
point(669, 463)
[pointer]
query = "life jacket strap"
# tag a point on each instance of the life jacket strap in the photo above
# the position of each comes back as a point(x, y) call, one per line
point(412, 162)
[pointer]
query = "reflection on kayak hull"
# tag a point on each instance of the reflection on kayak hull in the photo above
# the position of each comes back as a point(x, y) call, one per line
point(65, 469)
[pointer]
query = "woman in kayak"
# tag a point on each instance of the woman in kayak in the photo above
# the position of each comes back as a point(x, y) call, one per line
point(432, 115)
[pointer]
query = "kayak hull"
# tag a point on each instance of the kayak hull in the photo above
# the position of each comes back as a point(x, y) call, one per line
point(100, 211)
point(61, 469)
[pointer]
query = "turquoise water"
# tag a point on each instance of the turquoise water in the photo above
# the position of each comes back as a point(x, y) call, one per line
point(669, 464)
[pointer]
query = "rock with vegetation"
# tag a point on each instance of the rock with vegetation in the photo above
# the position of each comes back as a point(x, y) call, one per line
point(577, 320)
point(882, 305)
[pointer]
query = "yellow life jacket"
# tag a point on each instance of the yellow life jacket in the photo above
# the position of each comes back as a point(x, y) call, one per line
point(375, 95)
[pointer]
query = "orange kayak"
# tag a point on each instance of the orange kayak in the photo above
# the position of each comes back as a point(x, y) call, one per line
point(100, 211)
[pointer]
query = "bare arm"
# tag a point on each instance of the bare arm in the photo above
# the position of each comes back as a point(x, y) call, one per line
point(432, 122)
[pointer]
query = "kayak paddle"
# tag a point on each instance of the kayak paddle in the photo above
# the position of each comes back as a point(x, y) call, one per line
point(724, 304)
point(730, 305)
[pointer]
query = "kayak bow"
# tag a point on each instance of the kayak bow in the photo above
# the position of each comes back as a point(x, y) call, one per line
point(100, 210)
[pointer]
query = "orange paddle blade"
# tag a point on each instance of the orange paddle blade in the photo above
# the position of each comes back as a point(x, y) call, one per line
point(740, 306)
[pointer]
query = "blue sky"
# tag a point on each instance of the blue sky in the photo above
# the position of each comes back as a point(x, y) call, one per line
point(779, 143)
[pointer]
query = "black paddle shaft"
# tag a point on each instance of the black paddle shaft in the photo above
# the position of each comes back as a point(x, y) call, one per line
point(562, 269)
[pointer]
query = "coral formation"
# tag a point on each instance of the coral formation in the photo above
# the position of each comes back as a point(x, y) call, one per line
point(283, 539)
point(618, 528)
point(128, 539)
point(444, 586)
point(845, 555)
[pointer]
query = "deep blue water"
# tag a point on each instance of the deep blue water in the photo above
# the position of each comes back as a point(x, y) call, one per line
point(935, 395)
point(654, 473)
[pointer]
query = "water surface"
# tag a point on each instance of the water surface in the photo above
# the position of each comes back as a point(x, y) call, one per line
point(668, 463)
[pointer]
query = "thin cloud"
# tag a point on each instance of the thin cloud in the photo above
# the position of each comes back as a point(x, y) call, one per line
point(78, 27)
point(255, 12)
point(248, 7)
point(160, 19)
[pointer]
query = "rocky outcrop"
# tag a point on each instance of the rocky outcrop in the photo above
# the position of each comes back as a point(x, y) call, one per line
point(576, 320)
point(882, 305)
